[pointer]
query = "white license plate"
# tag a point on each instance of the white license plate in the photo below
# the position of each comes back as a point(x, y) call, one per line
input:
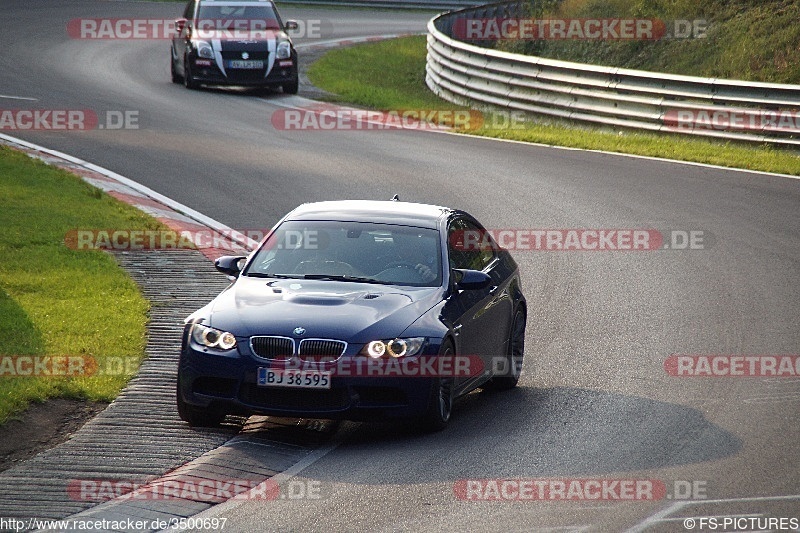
point(299, 379)
point(242, 63)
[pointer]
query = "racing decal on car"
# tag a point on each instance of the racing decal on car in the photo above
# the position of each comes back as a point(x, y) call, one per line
point(272, 45)
point(216, 44)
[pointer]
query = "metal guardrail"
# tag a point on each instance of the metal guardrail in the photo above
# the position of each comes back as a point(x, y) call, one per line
point(464, 73)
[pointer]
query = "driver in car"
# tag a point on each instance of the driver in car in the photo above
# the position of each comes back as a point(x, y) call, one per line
point(416, 251)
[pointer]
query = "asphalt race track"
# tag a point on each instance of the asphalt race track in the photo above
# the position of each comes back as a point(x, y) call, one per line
point(594, 400)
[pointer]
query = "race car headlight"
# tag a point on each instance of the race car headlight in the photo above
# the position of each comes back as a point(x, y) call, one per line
point(213, 338)
point(284, 50)
point(393, 348)
point(204, 50)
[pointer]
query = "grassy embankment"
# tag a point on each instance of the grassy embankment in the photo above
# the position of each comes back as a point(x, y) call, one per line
point(55, 301)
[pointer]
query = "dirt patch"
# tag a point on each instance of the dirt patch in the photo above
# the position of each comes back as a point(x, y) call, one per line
point(41, 427)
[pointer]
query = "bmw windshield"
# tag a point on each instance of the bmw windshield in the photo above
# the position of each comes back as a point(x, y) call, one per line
point(351, 251)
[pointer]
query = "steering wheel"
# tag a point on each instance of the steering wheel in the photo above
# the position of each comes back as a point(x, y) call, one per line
point(400, 271)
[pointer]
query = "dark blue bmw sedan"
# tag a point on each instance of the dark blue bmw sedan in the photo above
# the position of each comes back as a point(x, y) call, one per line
point(357, 310)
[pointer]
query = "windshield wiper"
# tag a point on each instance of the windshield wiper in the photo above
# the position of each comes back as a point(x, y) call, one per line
point(334, 277)
point(270, 275)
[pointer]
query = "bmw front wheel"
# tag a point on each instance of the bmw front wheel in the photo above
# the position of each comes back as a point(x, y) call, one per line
point(440, 405)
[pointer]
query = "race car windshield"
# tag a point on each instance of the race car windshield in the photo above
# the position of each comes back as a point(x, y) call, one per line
point(351, 251)
point(241, 17)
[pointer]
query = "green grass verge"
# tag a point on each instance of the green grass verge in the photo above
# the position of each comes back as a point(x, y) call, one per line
point(61, 302)
point(391, 75)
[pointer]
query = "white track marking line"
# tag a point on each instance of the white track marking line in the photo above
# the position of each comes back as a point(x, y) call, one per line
point(718, 517)
point(664, 514)
point(788, 397)
point(746, 499)
point(622, 154)
point(9, 97)
point(660, 516)
point(570, 529)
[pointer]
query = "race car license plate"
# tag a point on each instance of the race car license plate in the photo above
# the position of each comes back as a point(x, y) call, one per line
point(300, 379)
point(243, 63)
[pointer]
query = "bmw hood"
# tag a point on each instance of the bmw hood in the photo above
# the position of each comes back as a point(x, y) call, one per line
point(354, 312)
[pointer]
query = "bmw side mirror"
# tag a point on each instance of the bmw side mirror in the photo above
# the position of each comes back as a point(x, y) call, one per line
point(466, 279)
point(230, 265)
point(291, 25)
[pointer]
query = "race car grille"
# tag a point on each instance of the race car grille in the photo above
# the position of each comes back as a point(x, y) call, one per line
point(321, 348)
point(280, 348)
point(275, 398)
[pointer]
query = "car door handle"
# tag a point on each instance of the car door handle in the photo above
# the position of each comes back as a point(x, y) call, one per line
point(457, 329)
point(493, 289)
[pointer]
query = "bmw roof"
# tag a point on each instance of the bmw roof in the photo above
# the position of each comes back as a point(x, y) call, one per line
point(380, 211)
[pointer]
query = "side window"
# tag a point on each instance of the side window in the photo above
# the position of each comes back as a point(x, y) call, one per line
point(469, 246)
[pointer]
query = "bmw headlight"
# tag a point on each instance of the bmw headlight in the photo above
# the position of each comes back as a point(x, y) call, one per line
point(393, 348)
point(284, 50)
point(213, 338)
point(204, 49)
